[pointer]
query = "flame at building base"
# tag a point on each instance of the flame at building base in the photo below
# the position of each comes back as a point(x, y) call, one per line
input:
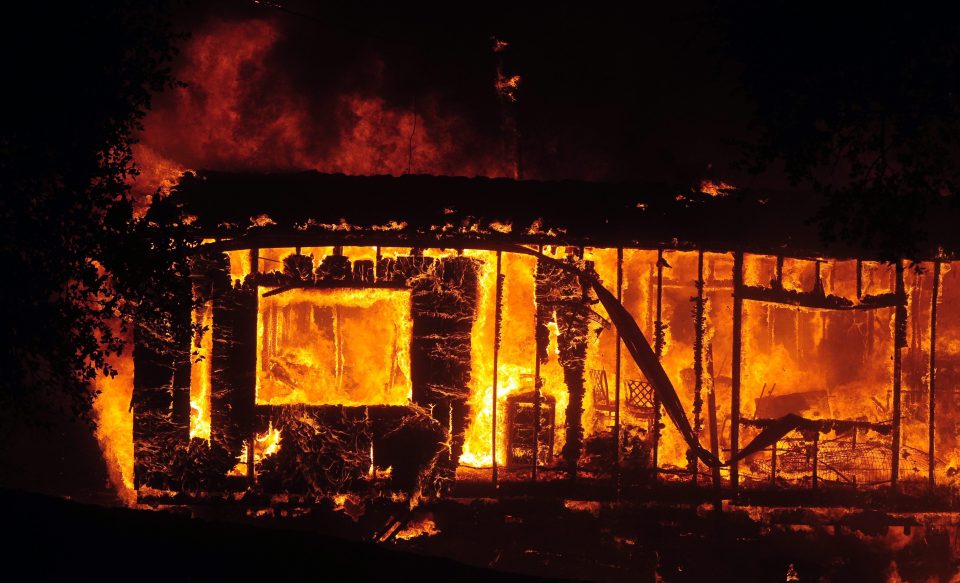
point(114, 419)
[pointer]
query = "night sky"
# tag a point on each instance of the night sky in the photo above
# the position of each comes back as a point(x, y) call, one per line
point(607, 92)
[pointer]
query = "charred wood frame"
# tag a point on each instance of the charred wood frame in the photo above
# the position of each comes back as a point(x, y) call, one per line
point(422, 442)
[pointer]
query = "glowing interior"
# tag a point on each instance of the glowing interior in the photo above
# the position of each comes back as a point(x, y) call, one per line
point(323, 347)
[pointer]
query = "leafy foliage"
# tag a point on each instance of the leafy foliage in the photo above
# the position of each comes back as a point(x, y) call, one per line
point(79, 80)
point(861, 103)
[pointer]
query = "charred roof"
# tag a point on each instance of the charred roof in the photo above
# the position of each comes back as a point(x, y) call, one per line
point(312, 208)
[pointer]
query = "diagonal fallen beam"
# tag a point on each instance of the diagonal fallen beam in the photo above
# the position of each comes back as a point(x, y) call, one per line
point(641, 352)
point(643, 355)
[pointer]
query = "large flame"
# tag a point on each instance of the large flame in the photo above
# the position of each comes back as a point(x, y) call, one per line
point(114, 418)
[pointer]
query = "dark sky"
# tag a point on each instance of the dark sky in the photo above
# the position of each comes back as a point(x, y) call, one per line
point(607, 93)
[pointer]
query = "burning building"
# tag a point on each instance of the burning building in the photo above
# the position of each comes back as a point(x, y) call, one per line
point(409, 336)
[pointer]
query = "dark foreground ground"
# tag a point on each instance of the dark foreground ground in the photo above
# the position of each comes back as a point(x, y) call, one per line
point(50, 539)
point(47, 538)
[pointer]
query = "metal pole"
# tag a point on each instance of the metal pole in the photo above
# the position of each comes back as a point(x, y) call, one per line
point(899, 340)
point(497, 320)
point(931, 463)
point(616, 381)
point(735, 372)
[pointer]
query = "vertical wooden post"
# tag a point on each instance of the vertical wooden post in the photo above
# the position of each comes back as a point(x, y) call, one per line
point(251, 471)
point(658, 342)
point(617, 380)
point(497, 322)
point(651, 294)
point(899, 340)
point(712, 422)
point(735, 372)
point(931, 425)
point(536, 404)
point(699, 323)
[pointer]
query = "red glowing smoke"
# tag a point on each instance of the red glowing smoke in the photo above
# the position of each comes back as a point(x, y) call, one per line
point(241, 109)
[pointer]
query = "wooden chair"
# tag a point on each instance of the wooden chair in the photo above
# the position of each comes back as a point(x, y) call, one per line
point(640, 396)
point(639, 402)
point(603, 408)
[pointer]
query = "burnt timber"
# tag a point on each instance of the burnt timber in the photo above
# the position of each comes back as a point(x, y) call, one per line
point(249, 210)
point(255, 211)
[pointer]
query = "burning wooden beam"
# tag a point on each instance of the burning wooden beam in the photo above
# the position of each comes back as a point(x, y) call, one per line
point(617, 366)
point(931, 417)
point(699, 329)
point(497, 324)
point(736, 371)
point(659, 341)
point(899, 342)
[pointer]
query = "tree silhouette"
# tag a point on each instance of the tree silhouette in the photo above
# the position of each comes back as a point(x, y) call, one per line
point(78, 80)
point(861, 103)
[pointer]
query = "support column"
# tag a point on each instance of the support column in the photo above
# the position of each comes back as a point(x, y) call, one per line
point(497, 322)
point(537, 384)
point(699, 324)
point(934, 294)
point(712, 425)
point(735, 372)
point(443, 309)
point(659, 340)
point(617, 380)
point(252, 439)
point(899, 341)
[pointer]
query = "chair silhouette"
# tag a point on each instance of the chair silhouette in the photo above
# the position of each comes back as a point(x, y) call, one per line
point(604, 410)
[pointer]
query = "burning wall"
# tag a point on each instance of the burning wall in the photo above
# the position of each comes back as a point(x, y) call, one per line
point(838, 360)
point(816, 335)
point(815, 362)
